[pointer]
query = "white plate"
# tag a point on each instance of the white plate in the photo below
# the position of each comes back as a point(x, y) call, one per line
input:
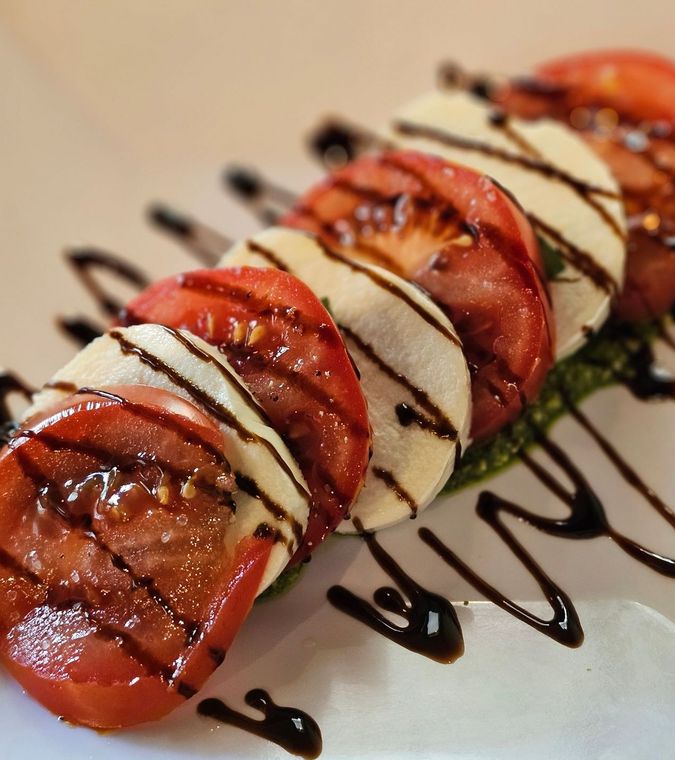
point(106, 108)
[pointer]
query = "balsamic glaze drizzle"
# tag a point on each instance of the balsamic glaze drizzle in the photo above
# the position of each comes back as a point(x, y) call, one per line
point(266, 200)
point(399, 491)
point(587, 518)
point(445, 137)
point(290, 728)
point(10, 385)
point(625, 470)
point(80, 330)
point(86, 261)
point(564, 627)
point(499, 120)
point(646, 381)
point(52, 499)
point(432, 628)
point(433, 419)
point(197, 238)
point(530, 160)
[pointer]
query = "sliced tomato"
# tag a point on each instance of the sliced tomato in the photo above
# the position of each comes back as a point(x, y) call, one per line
point(463, 239)
point(640, 86)
point(281, 340)
point(122, 581)
point(623, 102)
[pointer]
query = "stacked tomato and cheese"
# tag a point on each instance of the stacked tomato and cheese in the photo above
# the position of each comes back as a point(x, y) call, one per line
point(327, 375)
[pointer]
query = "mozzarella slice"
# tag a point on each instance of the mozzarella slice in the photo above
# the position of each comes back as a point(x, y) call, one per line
point(569, 194)
point(183, 364)
point(412, 367)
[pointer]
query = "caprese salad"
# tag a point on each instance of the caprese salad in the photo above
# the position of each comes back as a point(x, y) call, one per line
point(327, 375)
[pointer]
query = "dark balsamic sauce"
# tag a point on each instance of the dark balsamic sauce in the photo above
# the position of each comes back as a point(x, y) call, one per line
point(577, 257)
point(290, 728)
point(51, 498)
point(423, 131)
point(337, 142)
point(267, 201)
point(394, 289)
point(249, 486)
point(407, 415)
point(400, 492)
point(646, 381)
point(266, 254)
point(433, 420)
point(432, 628)
point(530, 160)
point(587, 518)
point(10, 385)
point(500, 120)
point(625, 470)
point(87, 261)
point(80, 330)
point(564, 627)
point(203, 242)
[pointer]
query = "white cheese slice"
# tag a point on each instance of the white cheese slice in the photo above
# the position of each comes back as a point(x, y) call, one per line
point(407, 353)
point(183, 364)
point(548, 169)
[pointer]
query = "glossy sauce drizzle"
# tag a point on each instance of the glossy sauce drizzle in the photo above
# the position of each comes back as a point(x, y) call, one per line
point(646, 381)
point(10, 385)
point(432, 628)
point(290, 728)
point(51, 498)
point(564, 627)
point(80, 330)
point(87, 261)
point(627, 472)
point(587, 518)
point(362, 139)
point(202, 241)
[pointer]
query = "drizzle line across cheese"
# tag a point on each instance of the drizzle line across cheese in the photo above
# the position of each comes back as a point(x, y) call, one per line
point(568, 193)
point(413, 371)
point(271, 491)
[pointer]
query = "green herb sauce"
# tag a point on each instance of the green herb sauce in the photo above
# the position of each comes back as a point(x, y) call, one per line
point(607, 359)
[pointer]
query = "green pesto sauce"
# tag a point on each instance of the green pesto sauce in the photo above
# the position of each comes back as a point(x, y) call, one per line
point(288, 578)
point(606, 359)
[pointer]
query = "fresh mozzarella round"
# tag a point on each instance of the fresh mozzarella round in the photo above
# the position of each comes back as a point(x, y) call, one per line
point(412, 368)
point(572, 200)
point(271, 489)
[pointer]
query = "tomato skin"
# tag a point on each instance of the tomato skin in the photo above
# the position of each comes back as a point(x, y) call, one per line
point(491, 286)
point(142, 699)
point(65, 613)
point(623, 104)
point(637, 84)
point(284, 344)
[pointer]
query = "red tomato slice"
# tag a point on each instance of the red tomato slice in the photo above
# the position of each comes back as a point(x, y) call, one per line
point(463, 239)
point(640, 86)
point(624, 104)
point(121, 582)
point(284, 344)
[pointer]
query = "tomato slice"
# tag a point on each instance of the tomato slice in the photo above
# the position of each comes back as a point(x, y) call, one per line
point(284, 344)
point(623, 102)
point(122, 580)
point(463, 239)
point(640, 86)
